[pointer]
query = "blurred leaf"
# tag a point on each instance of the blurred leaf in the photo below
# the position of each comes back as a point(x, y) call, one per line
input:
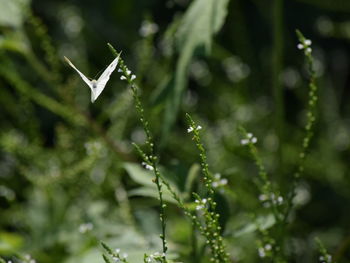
point(162, 90)
point(150, 226)
point(12, 12)
point(201, 21)
point(262, 222)
point(152, 192)
point(14, 41)
point(145, 177)
point(139, 175)
point(9, 242)
point(191, 177)
point(9, 72)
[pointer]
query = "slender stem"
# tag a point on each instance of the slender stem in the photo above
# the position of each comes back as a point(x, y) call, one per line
point(150, 159)
point(153, 161)
point(310, 123)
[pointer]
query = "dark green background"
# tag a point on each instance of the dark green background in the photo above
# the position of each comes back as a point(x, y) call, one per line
point(51, 181)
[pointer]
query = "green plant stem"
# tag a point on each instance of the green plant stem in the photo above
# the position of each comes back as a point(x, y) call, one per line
point(153, 162)
point(211, 229)
point(310, 123)
point(151, 159)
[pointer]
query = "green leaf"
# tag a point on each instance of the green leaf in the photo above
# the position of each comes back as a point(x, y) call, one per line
point(162, 91)
point(15, 41)
point(191, 177)
point(139, 174)
point(201, 21)
point(262, 222)
point(9, 242)
point(145, 177)
point(152, 192)
point(12, 12)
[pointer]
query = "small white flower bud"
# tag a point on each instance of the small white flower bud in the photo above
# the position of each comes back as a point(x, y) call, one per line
point(190, 129)
point(307, 42)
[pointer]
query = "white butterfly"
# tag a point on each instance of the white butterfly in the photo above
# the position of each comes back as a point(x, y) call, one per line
point(98, 85)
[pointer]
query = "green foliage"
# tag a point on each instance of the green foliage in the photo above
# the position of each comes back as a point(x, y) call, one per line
point(13, 12)
point(201, 21)
point(137, 172)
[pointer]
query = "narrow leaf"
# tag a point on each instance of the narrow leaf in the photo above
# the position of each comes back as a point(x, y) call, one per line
point(201, 21)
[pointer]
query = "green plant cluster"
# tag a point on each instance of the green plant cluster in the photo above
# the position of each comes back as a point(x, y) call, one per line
point(222, 135)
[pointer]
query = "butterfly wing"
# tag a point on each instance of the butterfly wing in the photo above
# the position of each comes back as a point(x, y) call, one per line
point(103, 79)
point(86, 80)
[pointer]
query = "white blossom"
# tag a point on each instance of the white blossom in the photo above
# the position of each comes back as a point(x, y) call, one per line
point(249, 139)
point(244, 141)
point(218, 181)
point(191, 129)
point(153, 257)
point(300, 46)
point(305, 45)
point(148, 28)
point(326, 259)
point(268, 247)
point(280, 200)
point(262, 197)
point(307, 42)
point(223, 181)
point(262, 253)
point(147, 166)
point(86, 227)
point(201, 204)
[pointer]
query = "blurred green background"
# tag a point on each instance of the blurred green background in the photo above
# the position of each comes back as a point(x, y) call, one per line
point(69, 176)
